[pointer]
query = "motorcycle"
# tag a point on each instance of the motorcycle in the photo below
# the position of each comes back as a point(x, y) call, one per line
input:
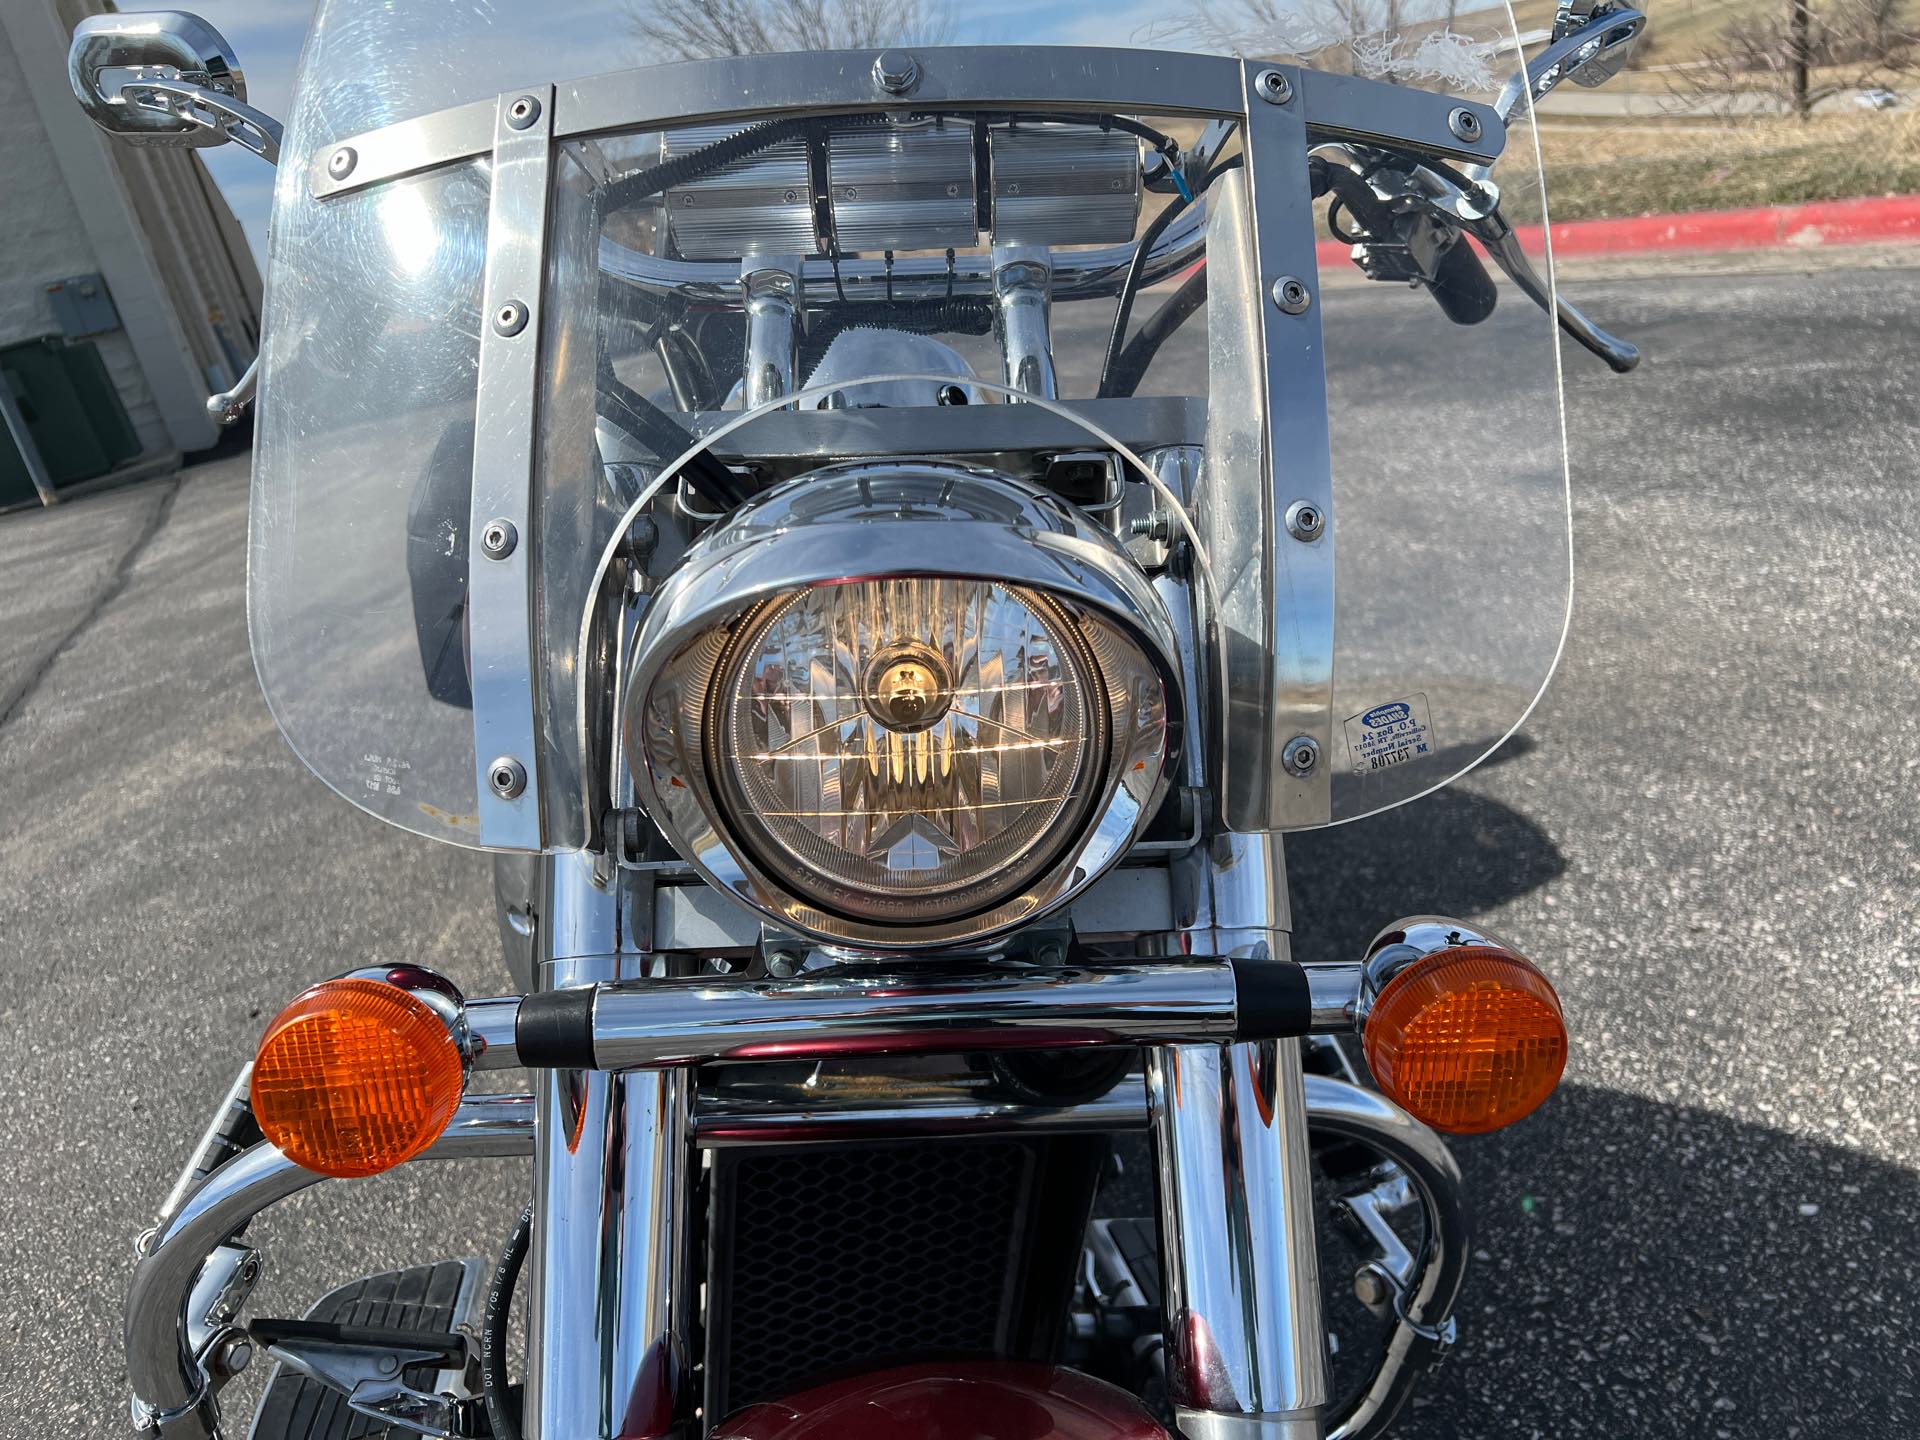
point(734, 492)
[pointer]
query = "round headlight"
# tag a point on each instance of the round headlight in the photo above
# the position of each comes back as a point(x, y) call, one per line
point(902, 759)
point(907, 750)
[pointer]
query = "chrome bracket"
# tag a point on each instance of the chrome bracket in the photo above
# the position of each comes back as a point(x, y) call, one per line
point(506, 438)
point(1271, 610)
point(369, 1377)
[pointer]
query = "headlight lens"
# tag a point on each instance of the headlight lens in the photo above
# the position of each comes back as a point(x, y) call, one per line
point(908, 749)
point(889, 760)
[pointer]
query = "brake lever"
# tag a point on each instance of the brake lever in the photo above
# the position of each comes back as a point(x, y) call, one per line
point(1504, 246)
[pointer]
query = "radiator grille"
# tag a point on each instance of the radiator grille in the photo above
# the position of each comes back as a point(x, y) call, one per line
point(850, 1259)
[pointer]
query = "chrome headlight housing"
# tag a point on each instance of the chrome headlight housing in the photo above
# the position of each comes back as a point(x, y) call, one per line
point(902, 705)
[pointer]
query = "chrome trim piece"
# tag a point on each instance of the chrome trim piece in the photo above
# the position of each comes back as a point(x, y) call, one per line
point(150, 45)
point(173, 1396)
point(1407, 940)
point(1023, 294)
point(941, 520)
point(1059, 79)
point(489, 1032)
point(691, 1022)
point(1425, 1307)
point(840, 1106)
point(1246, 1342)
point(426, 142)
point(608, 1269)
point(1273, 606)
point(1589, 56)
point(771, 293)
point(505, 446)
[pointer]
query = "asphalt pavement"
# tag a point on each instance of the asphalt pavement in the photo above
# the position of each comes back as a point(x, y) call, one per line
point(1707, 832)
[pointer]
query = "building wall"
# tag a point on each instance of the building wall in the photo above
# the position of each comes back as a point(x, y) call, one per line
point(42, 239)
point(147, 219)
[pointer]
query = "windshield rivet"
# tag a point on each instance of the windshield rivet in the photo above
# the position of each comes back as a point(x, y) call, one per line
point(507, 777)
point(1272, 87)
point(1291, 294)
point(895, 71)
point(1301, 755)
point(498, 539)
point(1464, 124)
point(510, 318)
point(340, 164)
point(1306, 520)
point(523, 112)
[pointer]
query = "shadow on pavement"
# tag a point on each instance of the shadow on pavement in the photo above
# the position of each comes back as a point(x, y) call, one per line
point(1653, 1269)
point(1450, 853)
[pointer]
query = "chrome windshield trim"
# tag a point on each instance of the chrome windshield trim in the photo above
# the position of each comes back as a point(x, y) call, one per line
point(975, 76)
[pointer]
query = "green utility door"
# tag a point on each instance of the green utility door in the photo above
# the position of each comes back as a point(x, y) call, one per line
point(72, 412)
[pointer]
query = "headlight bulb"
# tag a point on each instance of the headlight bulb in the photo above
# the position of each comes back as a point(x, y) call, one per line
point(904, 748)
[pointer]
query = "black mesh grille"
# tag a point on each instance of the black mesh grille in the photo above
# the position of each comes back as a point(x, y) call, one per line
point(852, 1259)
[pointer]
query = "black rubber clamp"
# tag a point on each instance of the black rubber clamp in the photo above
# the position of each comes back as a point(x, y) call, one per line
point(1272, 999)
point(554, 1029)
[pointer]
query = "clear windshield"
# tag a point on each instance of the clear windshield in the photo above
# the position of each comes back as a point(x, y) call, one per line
point(692, 266)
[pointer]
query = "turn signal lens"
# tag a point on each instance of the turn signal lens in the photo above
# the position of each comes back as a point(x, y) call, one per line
point(1467, 1039)
point(356, 1076)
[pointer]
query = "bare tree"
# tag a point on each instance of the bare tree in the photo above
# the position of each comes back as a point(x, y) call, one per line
point(1409, 41)
point(1791, 63)
point(702, 29)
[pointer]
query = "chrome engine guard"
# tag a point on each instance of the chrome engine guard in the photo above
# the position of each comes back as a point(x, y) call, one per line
point(184, 1299)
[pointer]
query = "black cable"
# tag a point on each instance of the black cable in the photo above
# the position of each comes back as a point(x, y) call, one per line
point(1130, 287)
point(629, 190)
point(1142, 349)
point(666, 437)
point(501, 1414)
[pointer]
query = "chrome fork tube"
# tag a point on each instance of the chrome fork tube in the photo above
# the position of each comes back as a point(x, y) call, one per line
point(1246, 1340)
point(1023, 297)
point(608, 1272)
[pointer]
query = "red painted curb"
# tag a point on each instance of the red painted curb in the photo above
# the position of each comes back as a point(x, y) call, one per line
point(1827, 222)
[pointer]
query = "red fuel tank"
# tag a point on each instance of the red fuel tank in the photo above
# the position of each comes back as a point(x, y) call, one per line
point(972, 1400)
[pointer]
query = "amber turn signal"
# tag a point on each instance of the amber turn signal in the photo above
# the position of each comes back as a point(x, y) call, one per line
point(356, 1076)
point(1467, 1039)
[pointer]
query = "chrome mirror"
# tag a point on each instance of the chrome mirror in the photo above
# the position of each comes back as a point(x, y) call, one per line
point(165, 77)
point(1588, 50)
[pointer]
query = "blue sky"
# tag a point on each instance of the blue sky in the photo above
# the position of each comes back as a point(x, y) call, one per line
point(517, 41)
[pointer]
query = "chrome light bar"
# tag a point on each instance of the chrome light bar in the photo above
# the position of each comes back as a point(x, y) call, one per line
point(654, 1024)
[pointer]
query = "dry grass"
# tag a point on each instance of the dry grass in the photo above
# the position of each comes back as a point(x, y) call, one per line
point(1600, 170)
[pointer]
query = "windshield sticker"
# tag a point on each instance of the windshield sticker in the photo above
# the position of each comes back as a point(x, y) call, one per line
point(1390, 735)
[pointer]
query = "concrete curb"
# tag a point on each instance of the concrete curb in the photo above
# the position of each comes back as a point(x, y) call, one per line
point(1826, 222)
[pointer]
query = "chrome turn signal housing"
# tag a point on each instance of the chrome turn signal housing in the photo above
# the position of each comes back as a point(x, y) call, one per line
point(1460, 1031)
point(900, 705)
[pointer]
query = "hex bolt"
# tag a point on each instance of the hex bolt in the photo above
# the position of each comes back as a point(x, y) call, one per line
point(1052, 953)
point(507, 777)
point(1464, 124)
point(232, 1354)
point(1306, 520)
point(1272, 87)
point(498, 539)
point(1370, 1287)
point(1301, 755)
point(523, 112)
point(896, 72)
point(1154, 525)
point(783, 964)
point(340, 164)
point(1290, 293)
point(510, 318)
